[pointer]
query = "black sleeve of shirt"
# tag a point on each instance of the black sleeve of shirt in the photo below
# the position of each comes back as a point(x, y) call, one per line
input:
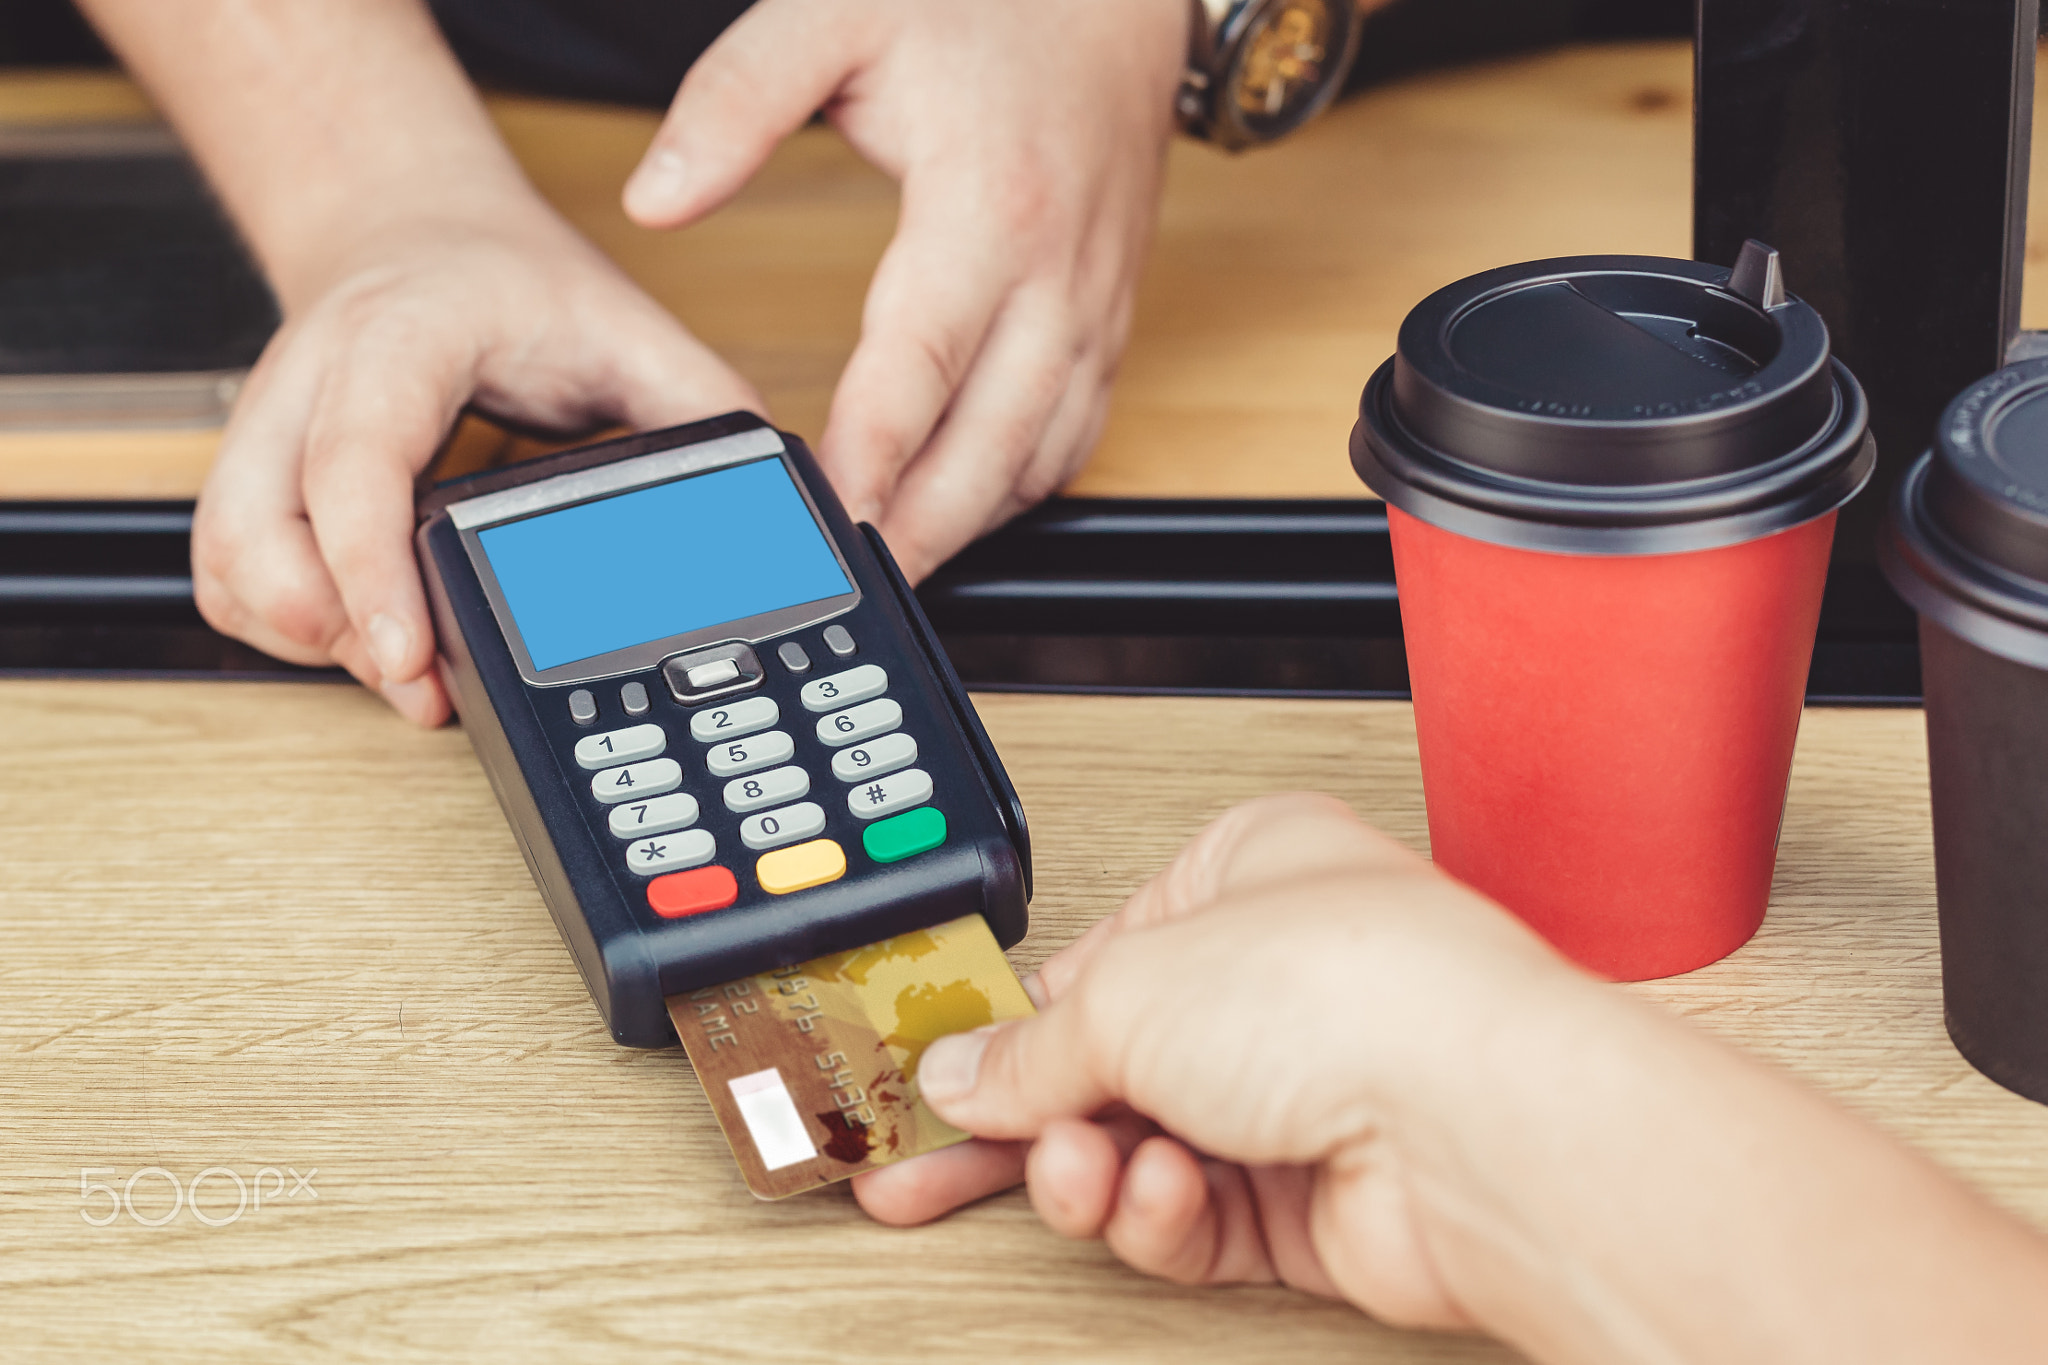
point(622, 51)
point(636, 51)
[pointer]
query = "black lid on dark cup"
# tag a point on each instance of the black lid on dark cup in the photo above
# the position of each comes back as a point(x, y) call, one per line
point(1615, 405)
point(1967, 539)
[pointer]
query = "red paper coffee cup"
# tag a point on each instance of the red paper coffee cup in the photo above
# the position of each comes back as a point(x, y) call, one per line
point(1612, 483)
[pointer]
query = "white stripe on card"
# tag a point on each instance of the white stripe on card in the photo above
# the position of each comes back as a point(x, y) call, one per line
point(772, 1121)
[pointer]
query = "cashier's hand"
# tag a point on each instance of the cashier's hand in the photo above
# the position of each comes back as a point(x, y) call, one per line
point(1029, 140)
point(1265, 1004)
point(303, 541)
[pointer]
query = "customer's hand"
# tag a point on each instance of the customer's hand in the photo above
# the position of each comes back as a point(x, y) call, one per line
point(303, 541)
point(1301, 1054)
point(1273, 1002)
point(1029, 140)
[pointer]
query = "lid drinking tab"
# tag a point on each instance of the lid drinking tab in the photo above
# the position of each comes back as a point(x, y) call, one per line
point(1615, 404)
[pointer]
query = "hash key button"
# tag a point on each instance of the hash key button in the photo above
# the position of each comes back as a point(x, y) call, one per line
point(614, 747)
point(887, 795)
point(636, 780)
point(877, 717)
point(844, 689)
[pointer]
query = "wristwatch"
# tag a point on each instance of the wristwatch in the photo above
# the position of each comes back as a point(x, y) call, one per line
point(1258, 69)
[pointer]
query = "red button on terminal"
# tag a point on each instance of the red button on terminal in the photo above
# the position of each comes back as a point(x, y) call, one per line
point(692, 892)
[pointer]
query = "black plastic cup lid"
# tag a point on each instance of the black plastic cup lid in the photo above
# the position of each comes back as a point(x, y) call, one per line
point(1967, 541)
point(1615, 405)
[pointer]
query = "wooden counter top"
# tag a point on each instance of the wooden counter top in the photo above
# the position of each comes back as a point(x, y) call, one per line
point(269, 925)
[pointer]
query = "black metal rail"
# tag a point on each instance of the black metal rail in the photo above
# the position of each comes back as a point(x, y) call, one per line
point(1269, 597)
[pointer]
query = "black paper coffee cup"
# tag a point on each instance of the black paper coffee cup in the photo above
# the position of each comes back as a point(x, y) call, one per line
point(1967, 545)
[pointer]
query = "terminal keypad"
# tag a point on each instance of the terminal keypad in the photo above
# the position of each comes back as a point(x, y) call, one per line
point(765, 774)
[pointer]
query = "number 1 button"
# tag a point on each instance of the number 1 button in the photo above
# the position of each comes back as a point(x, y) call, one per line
point(614, 747)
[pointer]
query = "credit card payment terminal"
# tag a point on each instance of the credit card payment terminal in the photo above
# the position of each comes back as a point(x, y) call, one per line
point(719, 724)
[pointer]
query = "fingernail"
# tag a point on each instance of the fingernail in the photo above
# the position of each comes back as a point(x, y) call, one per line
point(414, 700)
point(950, 1066)
point(657, 183)
point(390, 644)
point(1035, 988)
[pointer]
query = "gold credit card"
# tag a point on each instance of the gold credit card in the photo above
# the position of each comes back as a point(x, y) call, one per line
point(812, 1069)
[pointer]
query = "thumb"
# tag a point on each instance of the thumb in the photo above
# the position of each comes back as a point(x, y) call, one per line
point(778, 64)
point(1008, 1080)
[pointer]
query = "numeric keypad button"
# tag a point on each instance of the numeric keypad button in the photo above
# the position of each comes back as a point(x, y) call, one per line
point(864, 762)
point(715, 723)
point(614, 747)
point(773, 788)
point(631, 820)
point(774, 828)
point(885, 795)
point(844, 689)
point(671, 852)
point(748, 755)
point(865, 721)
point(637, 780)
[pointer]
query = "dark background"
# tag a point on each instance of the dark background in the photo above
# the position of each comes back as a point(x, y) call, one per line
point(637, 50)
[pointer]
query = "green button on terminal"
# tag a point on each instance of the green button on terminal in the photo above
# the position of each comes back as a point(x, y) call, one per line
point(906, 835)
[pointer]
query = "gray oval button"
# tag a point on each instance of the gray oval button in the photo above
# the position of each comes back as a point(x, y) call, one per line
point(865, 721)
point(774, 828)
point(635, 780)
point(869, 761)
point(744, 794)
point(730, 759)
point(614, 747)
point(715, 723)
point(844, 689)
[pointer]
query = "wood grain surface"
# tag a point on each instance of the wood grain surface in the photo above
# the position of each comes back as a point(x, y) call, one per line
point(1276, 283)
point(270, 926)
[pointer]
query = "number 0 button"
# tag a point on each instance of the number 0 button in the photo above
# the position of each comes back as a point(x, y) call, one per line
point(844, 689)
point(774, 828)
point(636, 780)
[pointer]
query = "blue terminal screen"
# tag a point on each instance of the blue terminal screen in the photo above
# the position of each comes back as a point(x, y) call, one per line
point(653, 562)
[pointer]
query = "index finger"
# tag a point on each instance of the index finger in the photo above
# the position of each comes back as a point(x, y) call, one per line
point(929, 309)
point(380, 416)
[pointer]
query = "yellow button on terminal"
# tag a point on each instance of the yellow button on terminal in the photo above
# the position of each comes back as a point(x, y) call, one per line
point(802, 865)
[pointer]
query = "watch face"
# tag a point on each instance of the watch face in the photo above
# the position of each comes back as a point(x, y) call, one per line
point(1286, 60)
